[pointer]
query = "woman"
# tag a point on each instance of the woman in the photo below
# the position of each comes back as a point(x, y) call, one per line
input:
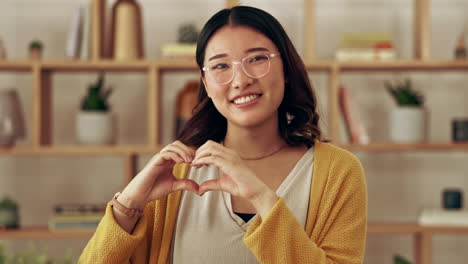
point(262, 186)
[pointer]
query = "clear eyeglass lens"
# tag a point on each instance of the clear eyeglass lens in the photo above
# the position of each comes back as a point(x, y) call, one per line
point(255, 66)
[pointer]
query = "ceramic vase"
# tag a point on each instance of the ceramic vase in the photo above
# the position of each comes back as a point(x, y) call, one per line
point(408, 124)
point(95, 128)
point(11, 118)
point(127, 31)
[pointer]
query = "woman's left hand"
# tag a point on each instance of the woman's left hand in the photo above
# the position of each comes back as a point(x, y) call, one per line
point(238, 179)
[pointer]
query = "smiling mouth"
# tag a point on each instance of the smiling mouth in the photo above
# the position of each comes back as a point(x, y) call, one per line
point(246, 99)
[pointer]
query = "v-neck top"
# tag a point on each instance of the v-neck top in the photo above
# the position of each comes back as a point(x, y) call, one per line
point(208, 231)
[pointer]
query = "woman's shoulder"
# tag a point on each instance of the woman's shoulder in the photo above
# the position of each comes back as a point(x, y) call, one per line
point(335, 155)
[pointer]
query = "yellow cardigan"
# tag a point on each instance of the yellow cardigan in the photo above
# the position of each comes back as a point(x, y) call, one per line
point(335, 228)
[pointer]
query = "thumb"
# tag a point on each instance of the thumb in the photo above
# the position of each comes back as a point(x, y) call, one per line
point(185, 184)
point(210, 185)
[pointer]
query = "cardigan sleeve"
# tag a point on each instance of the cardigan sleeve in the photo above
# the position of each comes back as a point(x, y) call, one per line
point(279, 238)
point(111, 244)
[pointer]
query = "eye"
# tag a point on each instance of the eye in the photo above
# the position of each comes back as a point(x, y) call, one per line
point(258, 59)
point(219, 66)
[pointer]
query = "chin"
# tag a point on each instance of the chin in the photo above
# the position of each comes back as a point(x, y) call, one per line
point(250, 120)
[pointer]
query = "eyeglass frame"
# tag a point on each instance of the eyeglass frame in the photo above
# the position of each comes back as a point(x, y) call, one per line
point(241, 63)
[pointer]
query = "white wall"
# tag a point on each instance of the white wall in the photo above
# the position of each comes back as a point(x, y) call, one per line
point(400, 185)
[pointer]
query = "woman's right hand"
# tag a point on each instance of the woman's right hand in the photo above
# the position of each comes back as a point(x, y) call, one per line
point(156, 180)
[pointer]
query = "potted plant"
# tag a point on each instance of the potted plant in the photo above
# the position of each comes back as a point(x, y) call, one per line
point(9, 217)
point(35, 50)
point(95, 121)
point(3, 54)
point(408, 120)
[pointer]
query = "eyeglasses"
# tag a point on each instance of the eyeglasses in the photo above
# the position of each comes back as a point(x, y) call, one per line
point(254, 65)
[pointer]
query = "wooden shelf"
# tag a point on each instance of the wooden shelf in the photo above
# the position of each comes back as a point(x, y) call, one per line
point(393, 228)
point(409, 65)
point(79, 150)
point(103, 65)
point(413, 228)
point(189, 65)
point(43, 233)
point(418, 147)
point(372, 229)
point(143, 149)
point(15, 65)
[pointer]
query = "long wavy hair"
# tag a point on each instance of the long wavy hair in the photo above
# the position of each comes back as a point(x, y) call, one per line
point(297, 114)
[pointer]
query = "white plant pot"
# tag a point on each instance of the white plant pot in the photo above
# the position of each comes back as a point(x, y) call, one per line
point(408, 124)
point(95, 128)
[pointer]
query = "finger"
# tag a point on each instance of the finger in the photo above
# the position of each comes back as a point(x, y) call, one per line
point(209, 151)
point(176, 149)
point(208, 144)
point(210, 185)
point(209, 160)
point(171, 156)
point(186, 148)
point(185, 184)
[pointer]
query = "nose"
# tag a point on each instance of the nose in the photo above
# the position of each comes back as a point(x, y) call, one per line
point(240, 79)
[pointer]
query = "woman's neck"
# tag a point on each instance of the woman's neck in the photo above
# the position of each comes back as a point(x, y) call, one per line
point(254, 142)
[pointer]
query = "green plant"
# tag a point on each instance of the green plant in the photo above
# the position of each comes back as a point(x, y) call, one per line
point(404, 94)
point(8, 204)
point(33, 256)
point(188, 33)
point(9, 213)
point(35, 44)
point(96, 98)
point(397, 259)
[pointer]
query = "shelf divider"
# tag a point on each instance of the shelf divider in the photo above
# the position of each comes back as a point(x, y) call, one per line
point(130, 168)
point(422, 31)
point(156, 106)
point(333, 114)
point(42, 106)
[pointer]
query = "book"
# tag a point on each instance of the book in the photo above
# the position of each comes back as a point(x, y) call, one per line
point(85, 36)
point(366, 47)
point(435, 217)
point(72, 49)
point(368, 54)
point(75, 217)
point(355, 128)
point(179, 51)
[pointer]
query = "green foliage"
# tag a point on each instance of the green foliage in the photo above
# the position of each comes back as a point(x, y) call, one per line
point(96, 98)
point(188, 33)
point(9, 204)
point(32, 256)
point(35, 44)
point(404, 94)
point(397, 259)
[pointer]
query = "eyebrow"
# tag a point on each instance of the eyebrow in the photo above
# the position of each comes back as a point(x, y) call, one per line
point(222, 55)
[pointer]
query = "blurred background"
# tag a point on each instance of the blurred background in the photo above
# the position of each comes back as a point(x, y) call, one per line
point(55, 175)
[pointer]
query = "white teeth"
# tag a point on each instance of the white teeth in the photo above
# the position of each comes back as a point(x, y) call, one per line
point(245, 99)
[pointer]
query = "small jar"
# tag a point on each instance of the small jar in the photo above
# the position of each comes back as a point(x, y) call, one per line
point(452, 199)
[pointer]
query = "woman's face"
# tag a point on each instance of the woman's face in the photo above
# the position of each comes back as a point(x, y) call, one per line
point(245, 101)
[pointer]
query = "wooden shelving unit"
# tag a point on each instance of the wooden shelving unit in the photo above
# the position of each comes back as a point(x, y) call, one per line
point(43, 233)
point(42, 70)
point(372, 229)
point(392, 147)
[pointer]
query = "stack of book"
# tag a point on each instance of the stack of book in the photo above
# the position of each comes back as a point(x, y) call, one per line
point(185, 51)
point(76, 217)
point(366, 47)
point(357, 132)
point(437, 217)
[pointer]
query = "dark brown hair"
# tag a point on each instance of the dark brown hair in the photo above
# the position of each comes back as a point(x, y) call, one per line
point(297, 114)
